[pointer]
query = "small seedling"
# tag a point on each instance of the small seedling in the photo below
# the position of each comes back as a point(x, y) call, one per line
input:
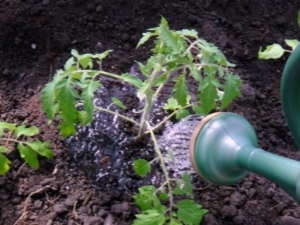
point(69, 97)
point(275, 51)
point(29, 149)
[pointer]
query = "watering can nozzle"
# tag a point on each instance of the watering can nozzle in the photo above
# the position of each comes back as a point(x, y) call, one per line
point(223, 149)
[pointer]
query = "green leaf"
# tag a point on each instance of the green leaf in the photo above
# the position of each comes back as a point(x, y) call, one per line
point(169, 38)
point(180, 90)
point(67, 128)
point(102, 55)
point(145, 38)
point(188, 189)
point(74, 53)
point(29, 155)
point(198, 109)
point(88, 99)
point(174, 221)
point(70, 62)
point(150, 217)
point(163, 195)
point(208, 93)
point(9, 126)
point(48, 97)
point(131, 79)
point(146, 199)
point(83, 117)
point(85, 60)
point(273, 51)
point(29, 132)
point(188, 33)
point(118, 102)
point(231, 89)
point(4, 164)
point(42, 148)
point(3, 149)
point(182, 113)
point(66, 97)
point(196, 74)
point(292, 43)
point(141, 167)
point(190, 212)
point(178, 190)
point(172, 104)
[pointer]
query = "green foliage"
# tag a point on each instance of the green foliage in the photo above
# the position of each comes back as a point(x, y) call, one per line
point(178, 57)
point(29, 150)
point(154, 212)
point(275, 51)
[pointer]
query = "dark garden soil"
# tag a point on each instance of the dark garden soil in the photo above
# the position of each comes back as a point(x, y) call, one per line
point(35, 40)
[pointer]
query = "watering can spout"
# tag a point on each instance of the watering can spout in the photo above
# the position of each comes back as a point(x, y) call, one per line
point(223, 149)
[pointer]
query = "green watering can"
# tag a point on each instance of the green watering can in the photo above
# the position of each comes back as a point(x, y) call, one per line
point(223, 147)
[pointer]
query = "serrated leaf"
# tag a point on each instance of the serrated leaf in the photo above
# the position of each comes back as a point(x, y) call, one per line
point(85, 60)
point(273, 51)
point(69, 64)
point(141, 167)
point(180, 90)
point(67, 128)
point(146, 199)
point(188, 189)
point(3, 149)
point(9, 126)
point(190, 212)
point(48, 97)
point(145, 38)
point(150, 217)
point(88, 98)
point(172, 104)
point(29, 155)
point(198, 109)
point(231, 89)
point(161, 80)
point(131, 79)
point(178, 190)
point(292, 43)
point(102, 55)
point(27, 131)
point(182, 113)
point(163, 195)
point(174, 221)
point(188, 33)
point(66, 97)
point(42, 148)
point(83, 118)
point(196, 74)
point(4, 164)
point(118, 102)
point(208, 94)
point(168, 37)
point(74, 53)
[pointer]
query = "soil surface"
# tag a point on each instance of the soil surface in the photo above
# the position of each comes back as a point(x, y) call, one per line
point(36, 39)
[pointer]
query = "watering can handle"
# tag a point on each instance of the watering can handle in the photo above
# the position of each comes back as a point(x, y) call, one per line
point(290, 94)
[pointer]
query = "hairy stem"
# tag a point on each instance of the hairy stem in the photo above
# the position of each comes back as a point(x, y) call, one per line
point(163, 166)
point(119, 115)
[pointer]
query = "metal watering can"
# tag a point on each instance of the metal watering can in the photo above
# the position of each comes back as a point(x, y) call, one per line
point(223, 147)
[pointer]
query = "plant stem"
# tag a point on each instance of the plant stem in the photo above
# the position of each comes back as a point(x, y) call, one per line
point(149, 101)
point(163, 165)
point(119, 115)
